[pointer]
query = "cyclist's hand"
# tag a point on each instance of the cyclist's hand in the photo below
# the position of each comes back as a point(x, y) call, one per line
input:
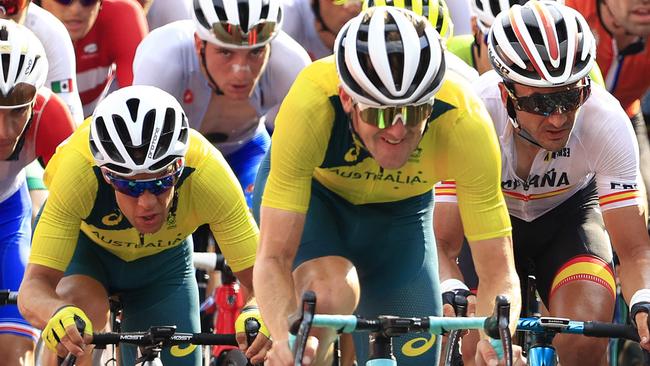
point(61, 335)
point(487, 356)
point(281, 355)
point(448, 308)
point(262, 343)
point(640, 313)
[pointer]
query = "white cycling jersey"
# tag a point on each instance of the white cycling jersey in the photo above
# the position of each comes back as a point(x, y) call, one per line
point(459, 66)
point(166, 58)
point(164, 12)
point(602, 145)
point(61, 74)
point(298, 21)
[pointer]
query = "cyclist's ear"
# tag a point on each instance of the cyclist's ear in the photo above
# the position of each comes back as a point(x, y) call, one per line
point(346, 100)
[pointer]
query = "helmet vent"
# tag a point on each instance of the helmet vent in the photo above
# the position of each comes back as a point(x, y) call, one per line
point(5, 66)
point(199, 15)
point(106, 141)
point(167, 133)
point(133, 105)
point(122, 130)
point(243, 9)
point(264, 13)
point(219, 9)
point(147, 127)
point(4, 34)
point(21, 61)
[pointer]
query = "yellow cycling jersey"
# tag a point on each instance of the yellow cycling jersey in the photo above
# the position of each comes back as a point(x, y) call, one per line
point(312, 139)
point(80, 199)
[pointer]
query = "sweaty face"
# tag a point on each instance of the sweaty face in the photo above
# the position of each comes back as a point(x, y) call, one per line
point(12, 125)
point(235, 71)
point(551, 132)
point(632, 15)
point(78, 19)
point(148, 212)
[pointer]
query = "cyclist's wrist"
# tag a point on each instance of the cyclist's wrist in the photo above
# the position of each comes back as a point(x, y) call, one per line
point(642, 295)
point(640, 302)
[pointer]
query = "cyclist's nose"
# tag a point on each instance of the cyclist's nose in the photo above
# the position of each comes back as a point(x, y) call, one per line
point(147, 200)
point(557, 120)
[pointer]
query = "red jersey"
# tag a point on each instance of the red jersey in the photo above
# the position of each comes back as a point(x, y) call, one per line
point(108, 50)
point(626, 76)
point(51, 124)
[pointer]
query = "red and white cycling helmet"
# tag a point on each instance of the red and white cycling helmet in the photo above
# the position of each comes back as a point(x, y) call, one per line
point(541, 44)
point(138, 129)
point(387, 56)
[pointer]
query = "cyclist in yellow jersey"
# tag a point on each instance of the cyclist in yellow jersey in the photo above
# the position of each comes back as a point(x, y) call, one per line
point(126, 191)
point(347, 208)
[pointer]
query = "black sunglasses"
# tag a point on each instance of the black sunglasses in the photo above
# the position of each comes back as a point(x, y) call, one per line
point(546, 104)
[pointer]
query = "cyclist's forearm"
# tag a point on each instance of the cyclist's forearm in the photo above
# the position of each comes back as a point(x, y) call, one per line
point(634, 274)
point(37, 298)
point(275, 295)
point(495, 267)
point(487, 292)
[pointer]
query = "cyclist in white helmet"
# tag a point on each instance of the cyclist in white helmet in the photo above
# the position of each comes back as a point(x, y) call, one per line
point(359, 142)
point(33, 121)
point(61, 75)
point(570, 174)
point(230, 68)
point(126, 191)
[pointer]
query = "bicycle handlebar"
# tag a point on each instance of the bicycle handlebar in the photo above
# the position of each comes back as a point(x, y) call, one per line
point(8, 297)
point(165, 335)
point(391, 326)
point(589, 328)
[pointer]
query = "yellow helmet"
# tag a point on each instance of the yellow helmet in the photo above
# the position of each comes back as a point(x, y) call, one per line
point(434, 10)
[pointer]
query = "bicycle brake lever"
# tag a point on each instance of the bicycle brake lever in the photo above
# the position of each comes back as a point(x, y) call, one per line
point(502, 310)
point(301, 327)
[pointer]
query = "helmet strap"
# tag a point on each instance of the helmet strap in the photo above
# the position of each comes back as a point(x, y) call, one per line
point(21, 140)
point(520, 130)
point(213, 84)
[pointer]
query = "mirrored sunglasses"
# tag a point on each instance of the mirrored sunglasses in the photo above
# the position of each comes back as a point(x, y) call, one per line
point(546, 104)
point(234, 34)
point(20, 96)
point(136, 188)
point(384, 117)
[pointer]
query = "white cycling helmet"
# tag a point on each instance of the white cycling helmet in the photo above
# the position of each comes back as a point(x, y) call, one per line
point(541, 44)
point(22, 62)
point(138, 129)
point(237, 23)
point(487, 10)
point(388, 56)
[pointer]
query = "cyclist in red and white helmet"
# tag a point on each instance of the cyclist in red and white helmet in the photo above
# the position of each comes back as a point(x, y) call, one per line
point(570, 173)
